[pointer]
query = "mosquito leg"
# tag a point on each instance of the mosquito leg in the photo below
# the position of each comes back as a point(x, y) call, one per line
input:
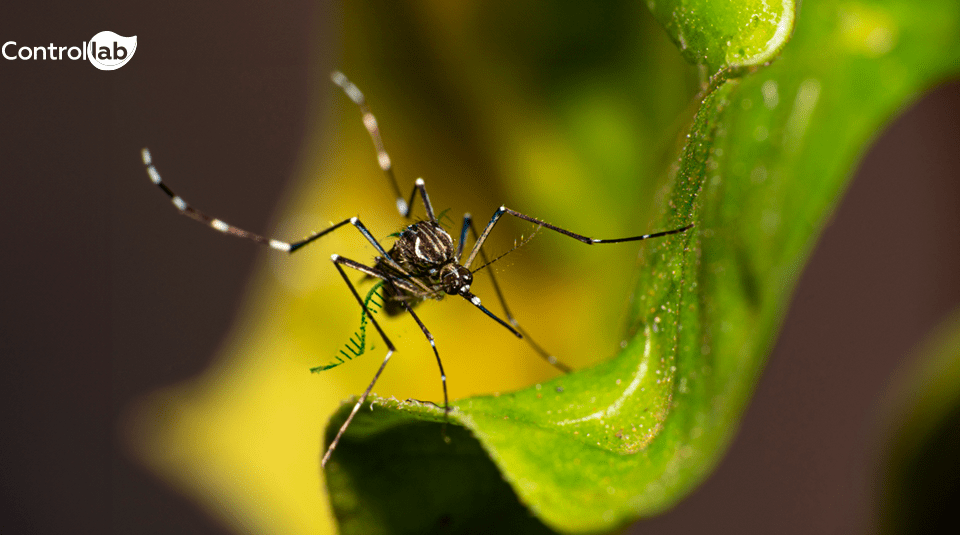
point(338, 261)
point(394, 281)
point(363, 398)
point(443, 375)
point(589, 241)
point(475, 301)
point(279, 245)
point(552, 360)
point(370, 122)
point(467, 223)
point(419, 186)
point(213, 222)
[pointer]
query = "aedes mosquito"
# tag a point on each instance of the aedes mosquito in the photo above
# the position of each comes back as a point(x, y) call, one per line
point(423, 263)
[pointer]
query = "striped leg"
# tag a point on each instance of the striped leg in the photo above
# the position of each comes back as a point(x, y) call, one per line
point(227, 228)
point(419, 186)
point(338, 261)
point(583, 239)
point(552, 360)
point(443, 375)
point(370, 122)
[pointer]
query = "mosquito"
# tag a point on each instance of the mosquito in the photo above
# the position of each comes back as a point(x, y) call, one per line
point(423, 263)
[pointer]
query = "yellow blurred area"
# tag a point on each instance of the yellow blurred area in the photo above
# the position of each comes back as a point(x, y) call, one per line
point(244, 438)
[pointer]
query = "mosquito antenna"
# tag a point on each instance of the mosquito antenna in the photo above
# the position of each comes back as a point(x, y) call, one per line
point(516, 246)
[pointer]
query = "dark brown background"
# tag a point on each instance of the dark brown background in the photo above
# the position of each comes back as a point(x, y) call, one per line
point(83, 252)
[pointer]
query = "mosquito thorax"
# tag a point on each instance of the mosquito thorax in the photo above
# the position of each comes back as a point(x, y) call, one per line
point(455, 279)
point(423, 245)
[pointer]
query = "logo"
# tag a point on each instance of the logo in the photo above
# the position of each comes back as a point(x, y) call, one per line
point(107, 51)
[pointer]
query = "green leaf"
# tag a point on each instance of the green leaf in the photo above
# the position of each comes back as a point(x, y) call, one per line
point(765, 162)
point(726, 35)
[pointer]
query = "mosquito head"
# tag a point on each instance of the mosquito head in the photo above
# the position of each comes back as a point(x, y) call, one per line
point(455, 279)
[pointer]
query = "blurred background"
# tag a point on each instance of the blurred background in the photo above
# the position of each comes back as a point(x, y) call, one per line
point(157, 373)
